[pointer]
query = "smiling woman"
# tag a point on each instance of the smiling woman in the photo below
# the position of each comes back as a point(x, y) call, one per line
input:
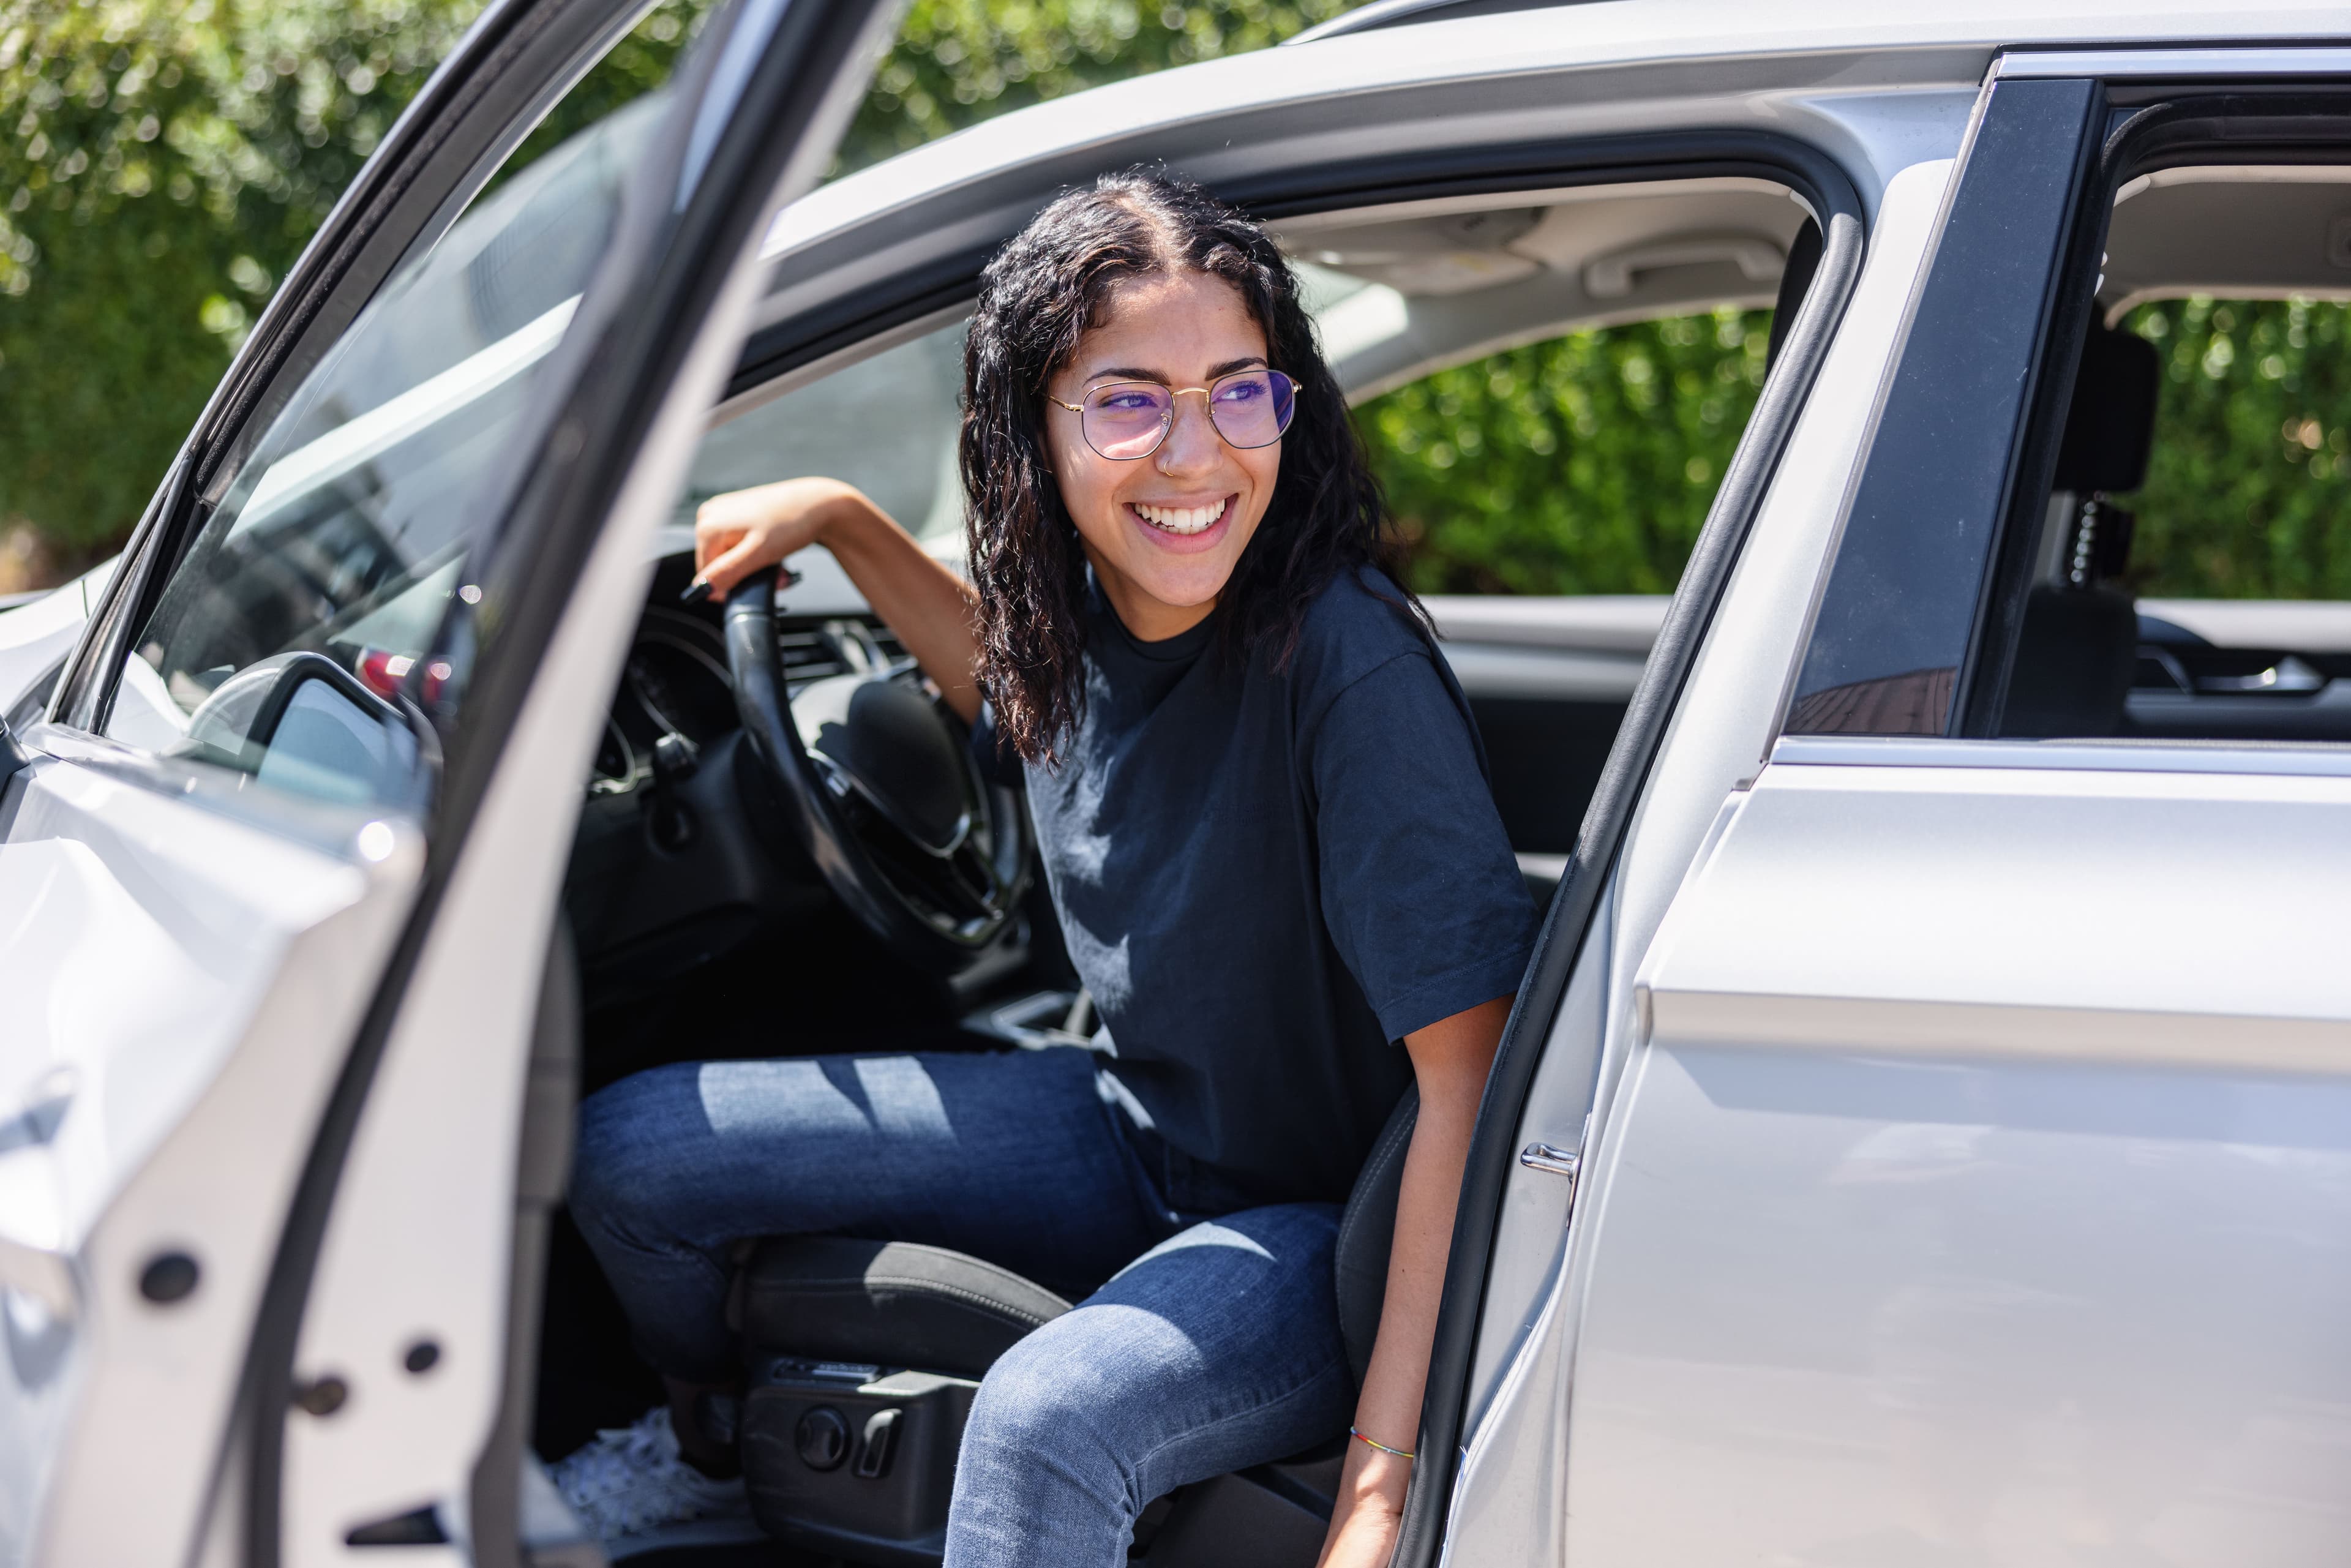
point(1264, 821)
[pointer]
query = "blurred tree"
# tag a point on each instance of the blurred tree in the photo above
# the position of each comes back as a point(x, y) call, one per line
point(1584, 464)
point(161, 165)
point(2248, 495)
point(955, 62)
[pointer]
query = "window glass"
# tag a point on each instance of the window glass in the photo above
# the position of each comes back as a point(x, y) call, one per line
point(294, 640)
point(2193, 576)
point(887, 424)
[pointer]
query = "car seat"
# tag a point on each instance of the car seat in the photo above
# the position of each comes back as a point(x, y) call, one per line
point(862, 1358)
point(2078, 645)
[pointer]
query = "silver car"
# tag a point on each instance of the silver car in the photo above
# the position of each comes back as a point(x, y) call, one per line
point(1924, 1134)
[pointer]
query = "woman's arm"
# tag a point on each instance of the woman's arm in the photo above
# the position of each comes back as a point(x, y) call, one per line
point(1451, 1060)
point(930, 608)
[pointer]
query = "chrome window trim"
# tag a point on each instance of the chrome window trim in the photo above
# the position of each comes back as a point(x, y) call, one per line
point(2312, 758)
point(2268, 61)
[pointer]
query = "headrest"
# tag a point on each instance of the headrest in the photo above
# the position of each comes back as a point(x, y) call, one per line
point(2111, 424)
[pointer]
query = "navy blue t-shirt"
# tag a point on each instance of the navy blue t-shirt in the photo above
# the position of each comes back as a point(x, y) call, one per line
point(1265, 880)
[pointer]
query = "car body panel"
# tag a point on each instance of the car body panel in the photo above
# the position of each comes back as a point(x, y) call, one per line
point(36, 636)
point(172, 970)
point(421, 1241)
point(1977, 1188)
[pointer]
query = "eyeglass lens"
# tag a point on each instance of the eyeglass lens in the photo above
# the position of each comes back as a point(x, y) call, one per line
point(1129, 419)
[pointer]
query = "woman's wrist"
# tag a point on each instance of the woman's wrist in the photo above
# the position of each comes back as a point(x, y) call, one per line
point(845, 520)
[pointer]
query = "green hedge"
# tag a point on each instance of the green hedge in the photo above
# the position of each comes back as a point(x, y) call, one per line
point(2248, 495)
point(1585, 465)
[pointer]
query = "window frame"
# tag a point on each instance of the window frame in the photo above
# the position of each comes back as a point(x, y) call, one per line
point(2137, 117)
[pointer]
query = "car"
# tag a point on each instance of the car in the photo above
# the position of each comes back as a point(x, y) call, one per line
point(1923, 1135)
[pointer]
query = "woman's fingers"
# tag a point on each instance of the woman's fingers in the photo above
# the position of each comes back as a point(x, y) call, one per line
point(731, 566)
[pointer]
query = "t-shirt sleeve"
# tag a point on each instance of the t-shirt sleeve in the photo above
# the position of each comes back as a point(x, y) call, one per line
point(1420, 890)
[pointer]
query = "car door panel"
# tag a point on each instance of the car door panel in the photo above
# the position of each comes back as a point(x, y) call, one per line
point(1523, 1373)
point(190, 950)
point(171, 973)
point(1925, 1222)
point(1968, 1186)
point(416, 1233)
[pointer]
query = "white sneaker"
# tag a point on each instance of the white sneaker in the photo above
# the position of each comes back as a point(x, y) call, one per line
point(632, 1480)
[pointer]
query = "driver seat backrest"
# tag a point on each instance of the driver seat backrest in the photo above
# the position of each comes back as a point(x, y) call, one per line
point(863, 1356)
point(2077, 644)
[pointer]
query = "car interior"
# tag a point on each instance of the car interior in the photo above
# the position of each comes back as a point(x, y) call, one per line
point(755, 749)
point(2097, 656)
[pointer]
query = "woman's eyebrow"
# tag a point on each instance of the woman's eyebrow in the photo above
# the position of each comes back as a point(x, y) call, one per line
point(1136, 374)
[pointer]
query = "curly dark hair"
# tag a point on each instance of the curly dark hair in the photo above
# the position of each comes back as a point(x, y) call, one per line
point(1037, 299)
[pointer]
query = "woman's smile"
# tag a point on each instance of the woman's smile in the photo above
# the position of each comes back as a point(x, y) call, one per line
point(1185, 527)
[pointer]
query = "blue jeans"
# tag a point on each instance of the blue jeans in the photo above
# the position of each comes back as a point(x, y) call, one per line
point(1213, 1345)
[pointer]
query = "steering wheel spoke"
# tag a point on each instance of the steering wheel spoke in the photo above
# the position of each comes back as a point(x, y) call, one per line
point(882, 789)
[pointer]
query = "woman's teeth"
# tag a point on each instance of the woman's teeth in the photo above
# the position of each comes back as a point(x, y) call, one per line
point(1180, 519)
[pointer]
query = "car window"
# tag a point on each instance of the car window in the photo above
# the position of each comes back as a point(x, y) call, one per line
point(887, 424)
point(299, 638)
point(2193, 574)
point(1550, 389)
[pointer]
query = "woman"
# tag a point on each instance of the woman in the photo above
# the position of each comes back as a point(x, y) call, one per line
point(1264, 821)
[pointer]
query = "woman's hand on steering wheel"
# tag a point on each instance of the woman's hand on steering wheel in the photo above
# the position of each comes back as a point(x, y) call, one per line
point(746, 531)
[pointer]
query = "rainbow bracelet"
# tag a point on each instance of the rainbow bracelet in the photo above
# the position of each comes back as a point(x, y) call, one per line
point(1370, 1443)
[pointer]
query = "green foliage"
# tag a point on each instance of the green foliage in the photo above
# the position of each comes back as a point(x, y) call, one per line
point(1585, 465)
point(2248, 495)
point(161, 165)
point(957, 62)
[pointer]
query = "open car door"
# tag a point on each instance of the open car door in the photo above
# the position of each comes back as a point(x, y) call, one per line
point(279, 870)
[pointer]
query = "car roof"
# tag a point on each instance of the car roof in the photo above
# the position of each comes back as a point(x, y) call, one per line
point(1844, 46)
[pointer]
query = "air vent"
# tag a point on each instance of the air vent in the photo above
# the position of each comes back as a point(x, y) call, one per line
point(811, 650)
point(809, 654)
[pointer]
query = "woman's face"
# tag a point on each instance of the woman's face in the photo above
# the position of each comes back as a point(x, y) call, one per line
point(1163, 531)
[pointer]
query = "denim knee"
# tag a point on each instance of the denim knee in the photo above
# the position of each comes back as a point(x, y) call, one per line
point(1042, 1401)
point(621, 1167)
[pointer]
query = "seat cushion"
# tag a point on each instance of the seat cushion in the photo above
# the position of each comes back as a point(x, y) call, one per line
point(890, 1303)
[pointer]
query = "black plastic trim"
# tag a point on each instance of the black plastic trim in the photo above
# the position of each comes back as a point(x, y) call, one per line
point(1492, 1150)
point(1890, 633)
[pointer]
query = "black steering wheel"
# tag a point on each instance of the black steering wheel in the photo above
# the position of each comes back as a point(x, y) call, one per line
point(881, 789)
